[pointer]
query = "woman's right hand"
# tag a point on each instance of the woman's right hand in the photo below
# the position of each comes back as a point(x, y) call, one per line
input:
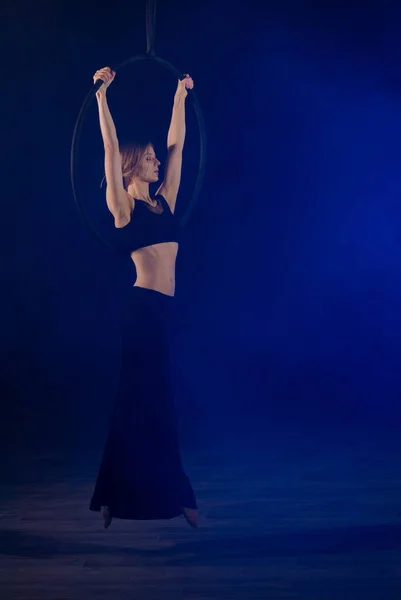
point(106, 75)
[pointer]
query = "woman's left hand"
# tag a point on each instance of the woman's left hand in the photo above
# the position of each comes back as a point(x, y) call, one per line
point(184, 85)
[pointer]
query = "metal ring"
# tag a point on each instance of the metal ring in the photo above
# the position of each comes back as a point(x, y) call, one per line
point(77, 133)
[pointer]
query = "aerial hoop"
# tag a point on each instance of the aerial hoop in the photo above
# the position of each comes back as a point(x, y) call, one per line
point(149, 56)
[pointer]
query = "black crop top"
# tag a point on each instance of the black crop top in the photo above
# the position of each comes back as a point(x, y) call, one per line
point(148, 227)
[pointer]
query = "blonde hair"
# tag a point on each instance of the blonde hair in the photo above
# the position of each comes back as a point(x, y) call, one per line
point(131, 154)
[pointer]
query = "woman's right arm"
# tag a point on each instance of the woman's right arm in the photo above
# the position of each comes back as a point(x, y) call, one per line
point(118, 200)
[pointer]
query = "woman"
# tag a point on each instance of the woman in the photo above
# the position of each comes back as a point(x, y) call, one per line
point(141, 475)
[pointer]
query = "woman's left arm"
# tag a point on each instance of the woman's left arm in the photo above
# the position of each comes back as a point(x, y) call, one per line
point(175, 144)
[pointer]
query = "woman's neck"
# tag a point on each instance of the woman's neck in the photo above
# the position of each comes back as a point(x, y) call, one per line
point(139, 190)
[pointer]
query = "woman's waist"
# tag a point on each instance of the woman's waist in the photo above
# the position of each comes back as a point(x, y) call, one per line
point(157, 256)
point(155, 267)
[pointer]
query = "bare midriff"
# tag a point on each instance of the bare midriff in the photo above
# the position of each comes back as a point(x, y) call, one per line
point(155, 267)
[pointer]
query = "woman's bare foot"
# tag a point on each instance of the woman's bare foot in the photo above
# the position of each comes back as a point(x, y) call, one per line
point(106, 516)
point(191, 516)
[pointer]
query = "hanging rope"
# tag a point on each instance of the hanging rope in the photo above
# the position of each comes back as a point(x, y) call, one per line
point(150, 55)
point(150, 27)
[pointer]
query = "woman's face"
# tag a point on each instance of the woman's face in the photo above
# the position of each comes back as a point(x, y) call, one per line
point(148, 167)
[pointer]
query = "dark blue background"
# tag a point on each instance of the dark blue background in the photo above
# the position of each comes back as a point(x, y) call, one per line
point(288, 277)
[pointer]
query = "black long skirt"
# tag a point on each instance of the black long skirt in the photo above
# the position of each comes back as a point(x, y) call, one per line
point(141, 475)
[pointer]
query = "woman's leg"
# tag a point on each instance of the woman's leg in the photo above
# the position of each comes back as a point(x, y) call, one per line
point(141, 476)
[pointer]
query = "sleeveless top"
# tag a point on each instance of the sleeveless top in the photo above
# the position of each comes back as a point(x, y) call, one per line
point(148, 227)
